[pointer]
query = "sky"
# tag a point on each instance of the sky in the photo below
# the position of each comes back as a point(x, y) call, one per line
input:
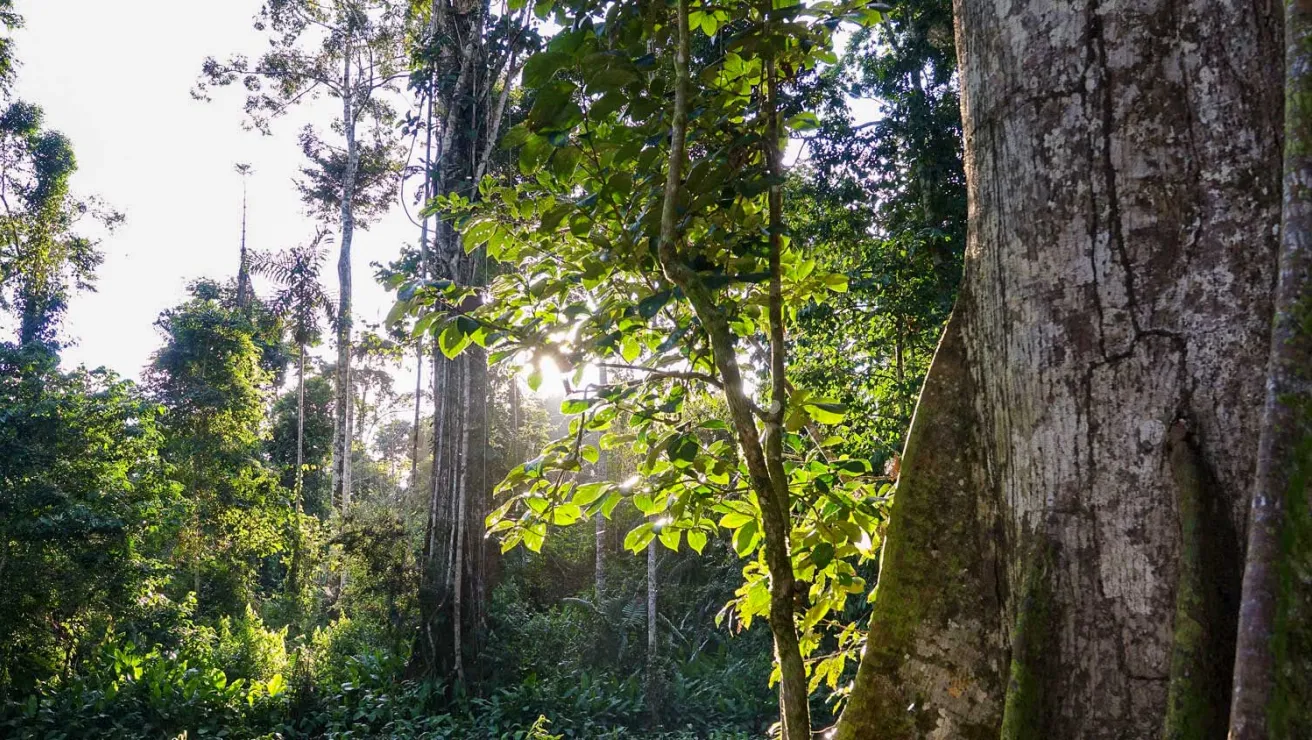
point(115, 78)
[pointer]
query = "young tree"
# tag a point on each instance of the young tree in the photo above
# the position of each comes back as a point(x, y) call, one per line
point(623, 260)
point(353, 50)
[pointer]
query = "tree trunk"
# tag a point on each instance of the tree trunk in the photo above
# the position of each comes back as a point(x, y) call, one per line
point(653, 689)
point(243, 265)
point(298, 493)
point(1085, 442)
point(1273, 662)
point(342, 433)
point(456, 574)
point(599, 522)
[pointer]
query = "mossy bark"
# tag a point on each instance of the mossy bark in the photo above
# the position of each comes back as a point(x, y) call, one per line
point(1123, 170)
point(1273, 662)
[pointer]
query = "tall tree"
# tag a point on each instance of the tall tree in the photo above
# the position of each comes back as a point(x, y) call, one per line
point(301, 299)
point(42, 257)
point(465, 66)
point(1063, 553)
point(354, 51)
point(243, 264)
point(209, 378)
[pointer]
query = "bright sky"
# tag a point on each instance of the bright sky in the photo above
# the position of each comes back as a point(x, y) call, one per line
point(114, 76)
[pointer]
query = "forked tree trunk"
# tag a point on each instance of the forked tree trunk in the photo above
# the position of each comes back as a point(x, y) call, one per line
point(1064, 552)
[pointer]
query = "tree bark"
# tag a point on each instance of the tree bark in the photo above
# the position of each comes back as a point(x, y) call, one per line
point(1273, 662)
point(1085, 441)
point(342, 432)
point(599, 521)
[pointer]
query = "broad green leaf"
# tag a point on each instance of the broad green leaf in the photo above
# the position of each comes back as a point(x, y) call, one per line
point(638, 537)
point(734, 520)
point(566, 514)
point(671, 537)
point(697, 540)
point(541, 66)
point(590, 492)
point(744, 539)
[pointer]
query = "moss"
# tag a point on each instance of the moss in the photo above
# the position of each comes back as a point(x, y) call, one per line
point(931, 566)
point(1022, 715)
point(1205, 611)
point(1291, 706)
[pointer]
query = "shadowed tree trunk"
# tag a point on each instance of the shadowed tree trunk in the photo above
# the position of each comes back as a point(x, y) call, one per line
point(455, 582)
point(1064, 553)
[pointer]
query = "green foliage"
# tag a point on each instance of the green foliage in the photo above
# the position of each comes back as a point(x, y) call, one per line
point(885, 203)
point(42, 257)
point(281, 444)
point(83, 492)
point(209, 379)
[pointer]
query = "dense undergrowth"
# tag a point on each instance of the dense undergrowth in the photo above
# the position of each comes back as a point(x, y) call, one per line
point(570, 668)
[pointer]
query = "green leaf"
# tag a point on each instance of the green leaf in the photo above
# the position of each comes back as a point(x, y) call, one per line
point(671, 537)
point(836, 282)
point(826, 412)
point(565, 161)
point(541, 66)
point(630, 350)
point(697, 540)
point(566, 514)
point(534, 535)
point(452, 340)
point(572, 406)
point(535, 151)
point(516, 136)
point(804, 121)
point(275, 685)
point(735, 520)
point(744, 539)
point(479, 231)
point(638, 537)
point(590, 492)
point(822, 555)
point(651, 305)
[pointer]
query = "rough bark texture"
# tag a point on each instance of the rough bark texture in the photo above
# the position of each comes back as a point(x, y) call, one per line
point(1123, 164)
point(454, 588)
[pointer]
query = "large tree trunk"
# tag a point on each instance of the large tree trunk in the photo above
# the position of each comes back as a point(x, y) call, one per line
point(1063, 556)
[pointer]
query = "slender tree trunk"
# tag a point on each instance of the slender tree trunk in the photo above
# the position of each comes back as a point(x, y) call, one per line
point(342, 433)
point(763, 457)
point(599, 523)
point(1085, 441)
point(461, 537)
point(1273, 662)
point(423, 272)
point(298, 493)
point(654, 694)
point(244, 265)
